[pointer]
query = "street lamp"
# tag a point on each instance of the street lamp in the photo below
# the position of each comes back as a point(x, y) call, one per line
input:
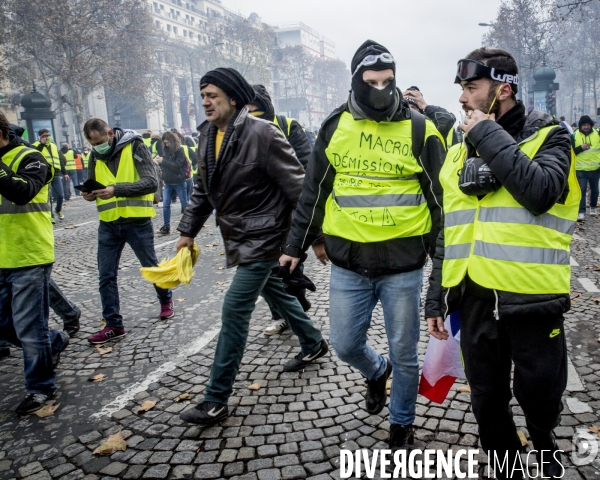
point(482, 24)
point(65, 131)
point(117, 117)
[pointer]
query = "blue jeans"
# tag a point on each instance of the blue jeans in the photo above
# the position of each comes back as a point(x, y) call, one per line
point(181, 190)
point(112, 237)
point(67, 183)
point(250, 281)
point(352, 299)
point(62, 306)
point(24, 310)
point(189, 183)
point(57, 191)
point(592, 178)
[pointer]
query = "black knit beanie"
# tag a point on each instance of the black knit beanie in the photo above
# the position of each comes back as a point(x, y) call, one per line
point(232, 83)
point(585, 119)
point(262, 100)
point(370, 47)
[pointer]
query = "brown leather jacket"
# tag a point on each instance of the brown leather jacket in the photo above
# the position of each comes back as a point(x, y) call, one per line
point(254, 189)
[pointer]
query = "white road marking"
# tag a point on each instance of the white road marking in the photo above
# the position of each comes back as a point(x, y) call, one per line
point(187, 351)
point(574, 383)
point(588, 284)
point(597, 250)
point(577, 406)
point(573, 262)
point(85, 223)
point(166, 243)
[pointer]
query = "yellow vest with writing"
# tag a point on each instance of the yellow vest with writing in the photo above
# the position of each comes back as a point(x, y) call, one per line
point(376, 192)
point(51, 156)
point(26, 236)
point(501, 244)
point(588, 160)
point(122, 207)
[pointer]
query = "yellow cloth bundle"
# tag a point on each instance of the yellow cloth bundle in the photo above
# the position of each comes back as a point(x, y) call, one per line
point(171, 273)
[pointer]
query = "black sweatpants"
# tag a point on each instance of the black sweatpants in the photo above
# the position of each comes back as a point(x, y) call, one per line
point(537, 347)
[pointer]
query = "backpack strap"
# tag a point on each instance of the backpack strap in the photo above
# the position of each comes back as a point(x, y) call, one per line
point(282, 123)
point(417, 132)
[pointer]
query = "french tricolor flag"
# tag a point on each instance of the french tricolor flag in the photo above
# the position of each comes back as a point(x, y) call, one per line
point(443, 362)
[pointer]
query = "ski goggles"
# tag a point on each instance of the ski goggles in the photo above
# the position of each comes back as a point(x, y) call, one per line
point(373, 59)
point(472, 70)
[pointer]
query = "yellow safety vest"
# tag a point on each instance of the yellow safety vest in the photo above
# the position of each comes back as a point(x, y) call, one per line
point(70, 156)
point(376, 192)
point(449, 138)
point(85, 159)
point(122, 207)
point(501, 244)
point(588, 160)
point(289, 125)
point(195, 170)
point(154, 149)
point(26, 236)
point(186, 151)
point(147, 141)
point(51, 156)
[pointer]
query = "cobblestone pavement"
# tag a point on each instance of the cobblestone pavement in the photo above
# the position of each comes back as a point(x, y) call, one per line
point(292, 427)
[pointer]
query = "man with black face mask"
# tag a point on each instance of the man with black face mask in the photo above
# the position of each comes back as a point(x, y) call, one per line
point(502, 259)
point(378, 201)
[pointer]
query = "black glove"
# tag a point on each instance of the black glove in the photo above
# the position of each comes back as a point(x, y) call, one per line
point(476, 178)
point(296, 280)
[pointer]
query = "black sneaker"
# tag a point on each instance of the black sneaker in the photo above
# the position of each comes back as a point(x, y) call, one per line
point(401, 435)
point(72, 326)
point(56, 356)
point(376, 393)
point(164, 230)
point(205, 413)
point(32, 403)
point(300, 361)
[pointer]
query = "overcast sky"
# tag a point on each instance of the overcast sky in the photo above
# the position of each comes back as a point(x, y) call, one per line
point(426, 37)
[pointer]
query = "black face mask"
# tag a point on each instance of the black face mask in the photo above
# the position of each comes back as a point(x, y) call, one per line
point(377, 104)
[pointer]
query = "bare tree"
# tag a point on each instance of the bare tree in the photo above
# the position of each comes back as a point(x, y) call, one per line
point(247, 46)
point(75, 47)
point(331, 80)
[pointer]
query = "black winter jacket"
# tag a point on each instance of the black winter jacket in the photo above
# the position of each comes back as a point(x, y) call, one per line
point(369, 259)
point(441, 118)
point(174, 168)
point(537, 184)
point(254, 188)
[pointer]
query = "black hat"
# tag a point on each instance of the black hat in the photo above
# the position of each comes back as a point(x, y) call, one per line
point(414, 88)
point(370, 47)
point(262, 100)
point(232, 83)
point(585, 119)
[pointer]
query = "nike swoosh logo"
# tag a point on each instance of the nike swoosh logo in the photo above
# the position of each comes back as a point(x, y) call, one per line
point(308, 358)
point(553, 334)
point(212, 413)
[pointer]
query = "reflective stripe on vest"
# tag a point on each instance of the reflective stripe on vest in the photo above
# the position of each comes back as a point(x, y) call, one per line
point(122, 207)
point(499, 243)
point(26, 236)
point(51, 156)
point(376, 193)
point(588, 160)
point(70, 156)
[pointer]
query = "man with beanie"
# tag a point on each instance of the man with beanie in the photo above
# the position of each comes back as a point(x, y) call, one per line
point(122, 163)
point(249, 174)
point(502, 260)
point(372, 186)
point(441, 118)
point(586, 143)
point(262, 107)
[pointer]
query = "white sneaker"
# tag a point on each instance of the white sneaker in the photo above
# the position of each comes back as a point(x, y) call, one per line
point(593, 211)
point(278, 327)
point(581, 217)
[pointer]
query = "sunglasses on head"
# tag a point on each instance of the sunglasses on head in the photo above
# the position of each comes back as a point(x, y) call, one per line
point(473, 70)
point(372, 60)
